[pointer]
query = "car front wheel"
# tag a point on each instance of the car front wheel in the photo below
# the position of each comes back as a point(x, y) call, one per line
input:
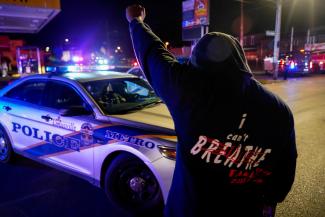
point(132, 187)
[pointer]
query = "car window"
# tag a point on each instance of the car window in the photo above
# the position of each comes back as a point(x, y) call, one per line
point(134, 88)
point(118, 96)
point(62, 96)
point(29, 91)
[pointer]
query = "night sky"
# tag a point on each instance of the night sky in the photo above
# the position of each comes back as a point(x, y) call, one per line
point(91, 24)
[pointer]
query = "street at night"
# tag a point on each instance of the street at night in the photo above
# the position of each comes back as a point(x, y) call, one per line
point(32, 190)
point(306, 97)
point(141, 108)
point(29, 189)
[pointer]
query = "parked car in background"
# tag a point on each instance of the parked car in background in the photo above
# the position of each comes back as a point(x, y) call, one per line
point(294, 63)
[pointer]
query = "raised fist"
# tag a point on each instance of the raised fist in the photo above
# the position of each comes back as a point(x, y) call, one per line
point(135, 11)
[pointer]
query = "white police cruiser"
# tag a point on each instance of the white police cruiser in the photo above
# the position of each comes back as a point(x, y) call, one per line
point(107, 127)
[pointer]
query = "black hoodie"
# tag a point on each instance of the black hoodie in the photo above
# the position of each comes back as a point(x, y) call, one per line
point(236, 141)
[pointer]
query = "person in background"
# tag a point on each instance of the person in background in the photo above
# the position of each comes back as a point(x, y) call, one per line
point(236, 151)
point(4, 69)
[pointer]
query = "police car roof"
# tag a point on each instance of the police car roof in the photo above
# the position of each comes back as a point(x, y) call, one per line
point(95, 75)
point(77, 76)
point(85, 76)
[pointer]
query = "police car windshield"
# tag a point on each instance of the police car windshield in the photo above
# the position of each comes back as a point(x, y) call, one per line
point(122, 95)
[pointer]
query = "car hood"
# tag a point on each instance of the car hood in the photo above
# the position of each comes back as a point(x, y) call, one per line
point(157, 116)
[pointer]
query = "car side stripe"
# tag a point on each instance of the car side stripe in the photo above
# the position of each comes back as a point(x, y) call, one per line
point(50, 149)
point(110, 142)
point(44, 142)
point(81, 149)
point(66, 135)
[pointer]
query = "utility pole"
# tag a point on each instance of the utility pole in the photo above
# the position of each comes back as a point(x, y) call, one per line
point(308, 37)
point(241, 23)
point(291, 39)
point(277, 38)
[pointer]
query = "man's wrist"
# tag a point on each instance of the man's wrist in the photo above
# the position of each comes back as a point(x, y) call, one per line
point(134, 22)
point(136, 19)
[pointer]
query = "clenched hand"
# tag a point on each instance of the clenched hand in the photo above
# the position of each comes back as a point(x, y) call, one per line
point(135, 11)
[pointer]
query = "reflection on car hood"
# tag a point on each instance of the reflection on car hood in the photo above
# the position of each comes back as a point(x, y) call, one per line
point(157, 116)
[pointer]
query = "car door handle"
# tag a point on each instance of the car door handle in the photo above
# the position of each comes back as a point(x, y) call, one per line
point(7, 108)
point(46, 117)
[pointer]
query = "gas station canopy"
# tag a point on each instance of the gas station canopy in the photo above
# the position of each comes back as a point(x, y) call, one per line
point(26, 16)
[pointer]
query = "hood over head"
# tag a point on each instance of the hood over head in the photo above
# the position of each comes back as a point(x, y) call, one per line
point(221, 53)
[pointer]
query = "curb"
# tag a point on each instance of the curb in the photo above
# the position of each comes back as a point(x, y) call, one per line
point(263, 81)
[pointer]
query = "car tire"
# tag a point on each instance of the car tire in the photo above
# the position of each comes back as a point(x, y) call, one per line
point(6, 152)
point(131, 186)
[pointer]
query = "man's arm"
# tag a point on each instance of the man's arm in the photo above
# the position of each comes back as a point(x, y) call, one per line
point(158, 64)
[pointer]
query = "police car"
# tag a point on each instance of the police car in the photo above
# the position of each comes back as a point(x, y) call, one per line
point(106, 127)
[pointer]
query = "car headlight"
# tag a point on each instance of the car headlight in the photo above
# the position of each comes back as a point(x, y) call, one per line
point(167, 152)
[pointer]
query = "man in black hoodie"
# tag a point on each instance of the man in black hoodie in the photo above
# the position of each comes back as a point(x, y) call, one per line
point(236, 153)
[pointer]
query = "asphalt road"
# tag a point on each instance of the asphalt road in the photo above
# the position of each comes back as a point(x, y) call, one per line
point(306, 98)
point(28, 189)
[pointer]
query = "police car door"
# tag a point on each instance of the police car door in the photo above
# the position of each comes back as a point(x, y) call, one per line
point(70, 123)
point(20, 115)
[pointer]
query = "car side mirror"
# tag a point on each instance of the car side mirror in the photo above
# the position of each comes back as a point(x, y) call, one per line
point(74, 111)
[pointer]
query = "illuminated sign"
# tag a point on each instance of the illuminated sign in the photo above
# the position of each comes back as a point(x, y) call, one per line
point(195, 13)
